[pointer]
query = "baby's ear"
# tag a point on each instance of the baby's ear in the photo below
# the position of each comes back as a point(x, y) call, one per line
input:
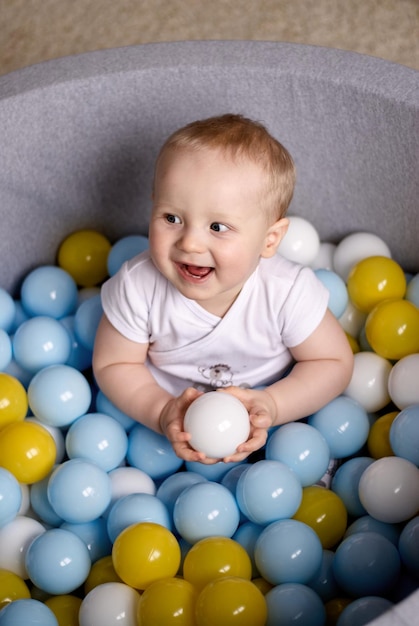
point(274, 236)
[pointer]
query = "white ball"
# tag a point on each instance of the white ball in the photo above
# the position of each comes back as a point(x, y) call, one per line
point(369, 382)
point(110, 604)
point(301, 243)
point(217, 423)
point(352, 320)
point(324, 258)
point(355, 247)
point(403, 382)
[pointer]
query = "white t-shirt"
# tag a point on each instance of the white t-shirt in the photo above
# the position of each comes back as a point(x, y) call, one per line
point(279, 307)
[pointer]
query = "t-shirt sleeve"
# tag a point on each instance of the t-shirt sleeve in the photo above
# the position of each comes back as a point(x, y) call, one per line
point(304, 308)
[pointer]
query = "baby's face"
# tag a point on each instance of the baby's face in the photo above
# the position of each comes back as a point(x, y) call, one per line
point(208, 228)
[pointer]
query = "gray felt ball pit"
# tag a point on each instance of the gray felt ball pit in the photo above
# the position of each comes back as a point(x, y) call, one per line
point(79, 136)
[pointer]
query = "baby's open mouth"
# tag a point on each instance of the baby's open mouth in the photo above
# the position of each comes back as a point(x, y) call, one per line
point(196, 271)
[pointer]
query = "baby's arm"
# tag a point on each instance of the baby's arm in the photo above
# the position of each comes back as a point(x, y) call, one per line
point(323, 369)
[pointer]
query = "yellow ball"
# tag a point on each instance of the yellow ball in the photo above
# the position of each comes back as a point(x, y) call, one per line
point(27, 450)
point(353, 343)
point(334, 608)
point(373, 280)
point(379, 436)
point(12, 587)
point(145, 552)
point(170, 601)
point(101, 572)
point(263, 585)
point(13, 400)
point(213, 558)
point(392, 329)
point(65, 608)
point(84, 255)
point(231, 602)
point(325, 513)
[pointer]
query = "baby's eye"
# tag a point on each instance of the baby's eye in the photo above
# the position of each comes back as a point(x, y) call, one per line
point(172, 219)
point(219, 228)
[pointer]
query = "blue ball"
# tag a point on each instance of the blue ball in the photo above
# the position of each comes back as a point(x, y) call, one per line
point(205, 509)
point(338, 293)
point(172, 486)
point(10, 496)
point(366, 524)
point(409, 546)
point(6, 352)
point(324, 581)
point(80, 357)
point(246, 535)
point(137, 507)
point(49, 290)
point(7, 310)
point(214, 471)
point(152, 453)
point(41, 505)
point(303, 448)
point(366, 564)
point(57, 561)
point(363, 611)
point(39, 342)
point(98, 438)
point(86, 321)
point(288, 551)
point(344, 424)
point(79, 491)
point(125, 249)
point(27, 612)
point(290, 604)
point(58, 395)
point(412, 290)
point(345, 484)
point(104, 405)
point(95, 536)
point(268, 491)
point(404, 434)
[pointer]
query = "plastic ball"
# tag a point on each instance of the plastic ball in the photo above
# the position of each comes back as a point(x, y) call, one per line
point(79, 491)
point(217, 423)
point(404, 434)
point(128, 480)
point(13, 400)
point(110, 604)
point(231, 601)
point(369, 382)
point(352, 320)
point(324, 256)
point(80, 357)
point(102, 571)
point(363, 611)
point(345, 484)
point(58, 395)
point(86, 321)
point(379, 436)
point(29, 612)
point(6, 352)
point(392, 329)
point(215, 557)
point(301, 243)
point(151, 452)
point(57, 561)
point(40, 504)
point(338, 293)
point(84, 254)
point(246, 535)
point(288, 551)
point(366, 524)
point(168, 601)
point(402, 382)
point(325, 513)
point(104, 405)
point(12, 587)
point(125, 249)
point(134, 508)
point(48, 290)
point(366, 564)
point(373, 280)
point(39, 342)
point(98, 438)
point(268, 491)
point(173, 485)
point(15, 538)
point(293, 603)
point(27, 450)
point(145, 552)
point(213, 471)
point(344, 424)
point(7, 310)
point(205, 509)
point(389, 489)
point(355, 247)
point(65, 608)
point(10, 497)
point(303, 448)
point(324, 581)
point(409, 546)
point(94, 534)
point(412, 290)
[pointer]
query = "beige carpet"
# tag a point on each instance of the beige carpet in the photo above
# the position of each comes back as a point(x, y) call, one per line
point(36, 30)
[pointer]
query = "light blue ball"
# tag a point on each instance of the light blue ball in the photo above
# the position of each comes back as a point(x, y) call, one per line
point(104, 405)
point(79, 491)
point(324, 581)
point(58, 395)
point(172, 486)
point(367, 524)
point(95, 535)
point(214, 472)
point(246, 535)
point(344, 424)
point(363, 611)
point(412, 290)
point(57, 561)
point(125, 249)
point(7, 310)
point(80, 357)
point(346, 481)
point(10, 496)
point(303, 448)
point(404, 434)
point(366, 564)
point(205, 509)
point(98, 438)
point(288, 551)
point(137, 507)
point(338, 293)
point(290, 604)
point(27, 612)
point(40, 342)
point(152, 453)
point(268, 491)
point(49, 290)
point(41, 505)
point(86, 321)
point(6, 352)
point(409, 546)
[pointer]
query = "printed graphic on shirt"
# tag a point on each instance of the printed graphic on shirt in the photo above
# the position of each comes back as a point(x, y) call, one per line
point(219, 375)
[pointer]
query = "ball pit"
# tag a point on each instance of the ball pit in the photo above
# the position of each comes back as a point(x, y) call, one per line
point(98, 191)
